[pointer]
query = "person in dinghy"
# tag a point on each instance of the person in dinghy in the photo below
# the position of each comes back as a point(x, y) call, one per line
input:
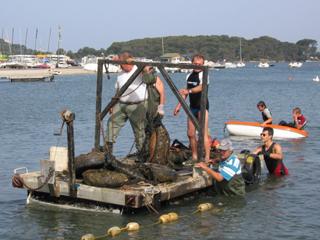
point(299, 120)
point(272, 153)
point(265, 112)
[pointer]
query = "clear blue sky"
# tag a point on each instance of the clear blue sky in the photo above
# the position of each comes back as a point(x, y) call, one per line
point(98, 23)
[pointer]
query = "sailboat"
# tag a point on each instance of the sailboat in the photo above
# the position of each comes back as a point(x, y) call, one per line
point(240, 64)
point(316, 79)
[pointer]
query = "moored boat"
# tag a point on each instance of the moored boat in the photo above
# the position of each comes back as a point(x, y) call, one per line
point(295, 64)
point(263, 65)
point(253, 129)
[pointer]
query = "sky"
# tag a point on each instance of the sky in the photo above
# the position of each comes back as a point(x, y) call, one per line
point(99, 23)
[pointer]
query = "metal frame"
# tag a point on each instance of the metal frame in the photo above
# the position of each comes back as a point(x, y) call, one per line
point(161, 66)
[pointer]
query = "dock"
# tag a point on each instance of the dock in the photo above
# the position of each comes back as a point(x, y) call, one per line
point(27, 75)
point(34, 75)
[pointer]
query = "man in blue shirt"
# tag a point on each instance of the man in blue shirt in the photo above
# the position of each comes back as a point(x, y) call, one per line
point(228, 178)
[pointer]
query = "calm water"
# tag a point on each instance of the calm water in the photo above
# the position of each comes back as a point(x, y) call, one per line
point(278, 209)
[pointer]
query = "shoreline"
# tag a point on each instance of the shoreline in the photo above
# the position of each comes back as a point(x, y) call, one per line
point(13, 73)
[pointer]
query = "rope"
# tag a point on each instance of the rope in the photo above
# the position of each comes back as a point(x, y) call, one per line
point(20, 180)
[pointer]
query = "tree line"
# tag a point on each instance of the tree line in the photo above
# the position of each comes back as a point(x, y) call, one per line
point(215, 48)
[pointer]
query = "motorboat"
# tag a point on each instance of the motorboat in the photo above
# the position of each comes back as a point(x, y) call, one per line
point(316, 79)
point(230, 65)
point(295, 64)
point(254, 129)
point(263, 65)
point(90, 63)
point(241, 64)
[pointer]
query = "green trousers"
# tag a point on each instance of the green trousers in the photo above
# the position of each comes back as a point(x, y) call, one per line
point(234, 187)
point(135, 113)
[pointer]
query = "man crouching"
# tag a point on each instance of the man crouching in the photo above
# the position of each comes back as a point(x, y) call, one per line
point(228, 177)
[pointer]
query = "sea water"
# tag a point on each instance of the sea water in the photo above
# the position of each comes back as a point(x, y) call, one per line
point(277, 209)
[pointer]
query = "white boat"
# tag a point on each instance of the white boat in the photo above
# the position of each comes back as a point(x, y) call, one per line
point(254, 129)
point(316, 79)
point(263, 65)
point(90, 63)
point(295, 64)
point(230, 65)
point(241, 64)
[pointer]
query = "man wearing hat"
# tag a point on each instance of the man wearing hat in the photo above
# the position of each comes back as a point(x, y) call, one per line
point(228, 178)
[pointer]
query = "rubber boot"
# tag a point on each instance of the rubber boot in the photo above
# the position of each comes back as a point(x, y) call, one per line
point(108, 149)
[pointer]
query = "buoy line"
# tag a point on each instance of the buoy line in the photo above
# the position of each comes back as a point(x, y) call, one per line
point(134, 226)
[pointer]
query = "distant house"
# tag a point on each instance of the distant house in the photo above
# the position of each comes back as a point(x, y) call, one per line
point(172, 58)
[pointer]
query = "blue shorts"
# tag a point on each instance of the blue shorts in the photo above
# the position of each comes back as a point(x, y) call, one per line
point(195, 111)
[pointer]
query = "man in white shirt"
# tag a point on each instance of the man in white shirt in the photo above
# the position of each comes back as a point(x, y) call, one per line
point(132, 105)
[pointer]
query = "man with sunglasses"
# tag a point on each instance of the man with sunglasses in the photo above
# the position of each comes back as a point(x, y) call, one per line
point(228, 177)
point(272, 153)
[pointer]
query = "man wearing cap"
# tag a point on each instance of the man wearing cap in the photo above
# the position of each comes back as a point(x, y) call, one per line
point(228, 178)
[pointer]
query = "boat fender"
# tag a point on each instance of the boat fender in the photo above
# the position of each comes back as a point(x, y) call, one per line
point(17, 181)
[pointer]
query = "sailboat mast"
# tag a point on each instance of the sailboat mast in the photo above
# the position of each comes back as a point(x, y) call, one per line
point(162, 45)
point(240, 51)
point(25, 39)
point(2, 32)
point(35, 40)
point(59, 40)
point(49, 40)
point(12, 34)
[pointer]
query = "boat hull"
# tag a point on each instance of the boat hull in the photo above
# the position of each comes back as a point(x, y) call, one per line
point(253, 129)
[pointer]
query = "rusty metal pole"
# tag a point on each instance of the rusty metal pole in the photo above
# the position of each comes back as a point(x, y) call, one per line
point(68, 117)
point(179, 97)
point(98, 105)
point(204, 96)
point(115, 99)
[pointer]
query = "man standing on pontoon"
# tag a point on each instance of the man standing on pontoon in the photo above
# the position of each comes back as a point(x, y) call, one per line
point(194, 89)
point(132, 104)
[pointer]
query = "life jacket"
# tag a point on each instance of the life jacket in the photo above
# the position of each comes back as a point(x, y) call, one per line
point(275, 167)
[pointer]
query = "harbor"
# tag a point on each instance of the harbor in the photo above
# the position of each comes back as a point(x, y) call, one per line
point(135, 120)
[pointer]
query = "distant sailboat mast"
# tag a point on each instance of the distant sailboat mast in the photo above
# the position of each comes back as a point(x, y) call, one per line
point(240, 52)
point(59, 41)
point(162, 45)
point(26, 39)
point(240, 63)
point(11, 45)
point(2, 32)
point(49, 40)
point(35, 41)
